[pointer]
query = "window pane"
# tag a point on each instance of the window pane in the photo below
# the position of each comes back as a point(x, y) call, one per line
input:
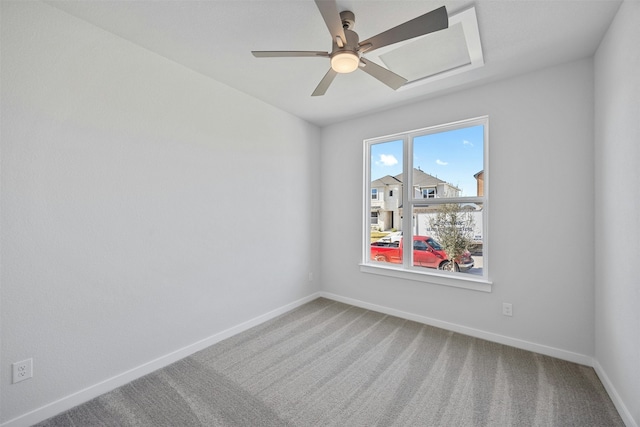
point(454, 231)
point(449, 164)
point(386, 186)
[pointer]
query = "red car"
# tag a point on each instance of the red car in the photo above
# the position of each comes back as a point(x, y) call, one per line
point(426, 253)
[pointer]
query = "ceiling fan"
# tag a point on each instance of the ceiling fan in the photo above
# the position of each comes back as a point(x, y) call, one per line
point(346, 53)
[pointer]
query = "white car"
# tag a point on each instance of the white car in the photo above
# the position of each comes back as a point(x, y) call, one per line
point(392, 237)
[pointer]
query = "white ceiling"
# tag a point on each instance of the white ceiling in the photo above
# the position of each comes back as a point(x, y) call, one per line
point(215, 38)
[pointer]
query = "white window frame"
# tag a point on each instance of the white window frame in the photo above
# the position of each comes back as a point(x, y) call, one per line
point(377, 194)
point(406, 270)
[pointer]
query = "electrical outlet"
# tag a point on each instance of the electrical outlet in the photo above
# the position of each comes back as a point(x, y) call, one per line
point(507, 309)
point(22, 370)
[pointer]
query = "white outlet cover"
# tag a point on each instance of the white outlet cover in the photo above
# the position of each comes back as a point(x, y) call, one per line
point(22, 370)
point(507, 309)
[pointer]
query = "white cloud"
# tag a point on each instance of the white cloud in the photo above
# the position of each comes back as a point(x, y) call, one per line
point(387, 160)
point(441, 163)
point(465, 142)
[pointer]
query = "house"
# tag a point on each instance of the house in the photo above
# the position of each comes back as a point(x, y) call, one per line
point(386, 202)
point(386, 196)
point(430, 187)
point(480, 183)
point(132, 181)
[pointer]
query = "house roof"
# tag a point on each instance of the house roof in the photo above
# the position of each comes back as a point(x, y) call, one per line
point(386, 180)
point(423, 179)
point(420, 179)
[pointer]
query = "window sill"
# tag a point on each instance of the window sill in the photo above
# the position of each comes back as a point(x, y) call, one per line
point(473, 283)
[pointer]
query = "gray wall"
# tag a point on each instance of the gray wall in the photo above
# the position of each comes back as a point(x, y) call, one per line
point(130, 191)
point(540, 221)
point(617, 207)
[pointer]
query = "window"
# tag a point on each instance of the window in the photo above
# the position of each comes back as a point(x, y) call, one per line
point(420, 245)
point(374, 218)
point(428, 193)
point(442, 204)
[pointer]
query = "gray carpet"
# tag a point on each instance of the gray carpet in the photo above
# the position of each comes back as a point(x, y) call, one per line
point(332, 364)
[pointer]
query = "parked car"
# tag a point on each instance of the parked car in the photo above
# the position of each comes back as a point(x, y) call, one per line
point(393, 237)
point(426, 253)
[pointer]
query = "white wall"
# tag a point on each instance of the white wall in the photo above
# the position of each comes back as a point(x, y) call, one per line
point(130, 187)
point(130, 191)
point(541, 211)
point(617, 203)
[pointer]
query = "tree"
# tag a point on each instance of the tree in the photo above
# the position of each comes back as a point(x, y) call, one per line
point(452, 227)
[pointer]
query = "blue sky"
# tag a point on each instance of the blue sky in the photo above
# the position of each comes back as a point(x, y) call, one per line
point(453, 156)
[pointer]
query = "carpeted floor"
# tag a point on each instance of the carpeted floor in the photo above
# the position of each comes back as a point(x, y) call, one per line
point(332, 364)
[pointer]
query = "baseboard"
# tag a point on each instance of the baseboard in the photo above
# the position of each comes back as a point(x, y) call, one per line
point(615, 397)
point(489, 336)
point(107, 385)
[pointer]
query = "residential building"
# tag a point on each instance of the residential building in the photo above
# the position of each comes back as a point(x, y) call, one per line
point(386, 197)
point(480, 183)
point(386, 202)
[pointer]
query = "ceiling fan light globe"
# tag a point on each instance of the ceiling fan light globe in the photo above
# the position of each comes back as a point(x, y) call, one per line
point(345, 62)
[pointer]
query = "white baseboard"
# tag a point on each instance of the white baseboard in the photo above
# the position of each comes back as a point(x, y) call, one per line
point(465, 330)
point(107, 385)
point(615, 397)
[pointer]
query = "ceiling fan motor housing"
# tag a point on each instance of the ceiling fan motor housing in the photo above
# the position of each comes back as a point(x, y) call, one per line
point(350, 45)
point(346, 59)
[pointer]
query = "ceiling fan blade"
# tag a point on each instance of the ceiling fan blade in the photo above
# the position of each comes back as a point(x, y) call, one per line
point(287, 53)
point(428, 23)
point(329, 11)
point(324, 83)
point(387, 77)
